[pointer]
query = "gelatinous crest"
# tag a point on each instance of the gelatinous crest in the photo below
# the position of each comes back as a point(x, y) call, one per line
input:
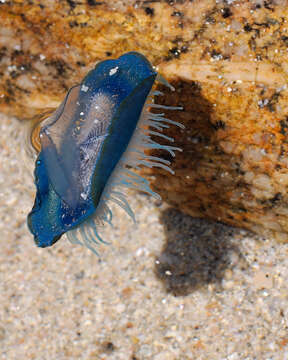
point(89, 147)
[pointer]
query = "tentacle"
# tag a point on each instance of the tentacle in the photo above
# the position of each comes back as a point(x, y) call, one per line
point(119, 199)
point(163, 81)
point(124, 177)
point(92, 227)
point(86, 241)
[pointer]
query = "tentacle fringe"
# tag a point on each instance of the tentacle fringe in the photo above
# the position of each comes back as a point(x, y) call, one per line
point(87, 234)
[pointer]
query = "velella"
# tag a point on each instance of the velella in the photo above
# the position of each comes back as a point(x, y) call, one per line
point(89, 149)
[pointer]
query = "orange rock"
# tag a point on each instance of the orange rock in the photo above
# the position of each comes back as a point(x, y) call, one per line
point(228, 64)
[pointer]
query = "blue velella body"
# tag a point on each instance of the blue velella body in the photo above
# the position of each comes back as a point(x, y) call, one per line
point(86, 145)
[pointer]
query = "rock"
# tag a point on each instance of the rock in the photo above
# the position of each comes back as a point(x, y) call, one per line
point(228, 63)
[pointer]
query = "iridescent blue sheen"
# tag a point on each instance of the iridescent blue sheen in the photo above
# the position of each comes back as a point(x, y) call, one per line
point(82, 142)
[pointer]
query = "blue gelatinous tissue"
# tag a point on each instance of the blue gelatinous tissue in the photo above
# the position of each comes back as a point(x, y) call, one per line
point(89, 147)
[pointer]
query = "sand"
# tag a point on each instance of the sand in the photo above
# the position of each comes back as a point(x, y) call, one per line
point(169, 287)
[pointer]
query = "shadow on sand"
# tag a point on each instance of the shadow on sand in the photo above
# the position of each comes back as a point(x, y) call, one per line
point(197, 252)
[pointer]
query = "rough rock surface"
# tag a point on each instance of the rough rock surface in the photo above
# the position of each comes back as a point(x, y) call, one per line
point(228, 61)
